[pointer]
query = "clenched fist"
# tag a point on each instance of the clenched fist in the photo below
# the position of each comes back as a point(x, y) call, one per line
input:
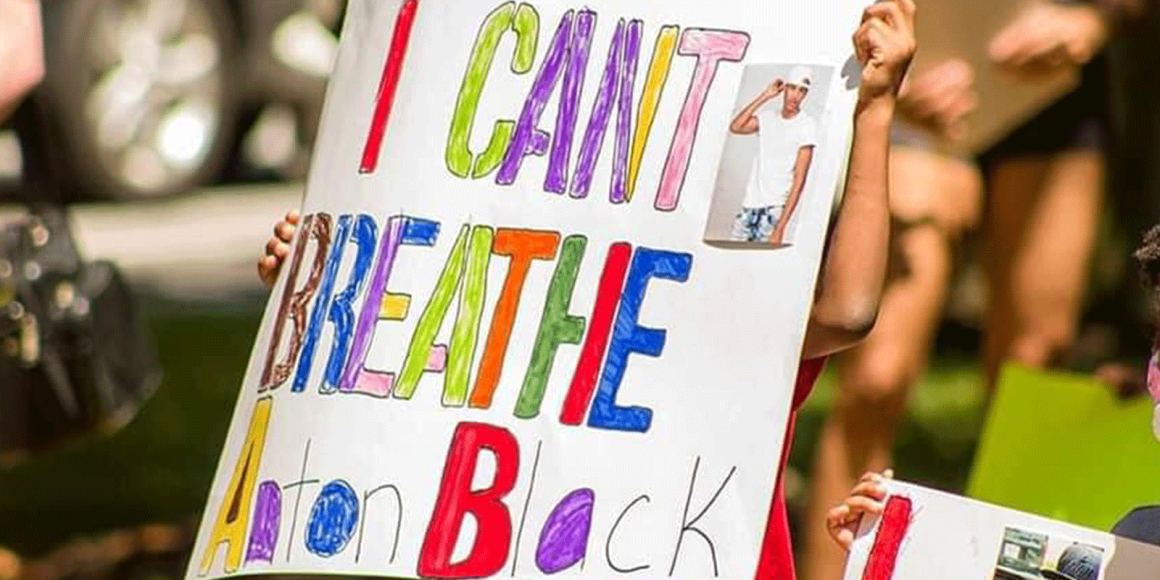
point(885, 45)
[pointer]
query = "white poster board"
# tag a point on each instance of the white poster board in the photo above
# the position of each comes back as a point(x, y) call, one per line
point(927, 534)
point(501, 345)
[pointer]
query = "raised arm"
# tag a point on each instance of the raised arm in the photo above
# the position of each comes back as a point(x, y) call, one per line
point(746, 121)
point(854, 271)
point(21, 52)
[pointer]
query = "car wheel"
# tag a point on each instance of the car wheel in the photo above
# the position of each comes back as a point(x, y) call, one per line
point(140, 92)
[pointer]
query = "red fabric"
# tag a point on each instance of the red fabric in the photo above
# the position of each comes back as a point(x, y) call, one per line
point(776, 562)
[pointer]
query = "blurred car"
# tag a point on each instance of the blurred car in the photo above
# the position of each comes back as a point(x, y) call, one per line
point(150, 98)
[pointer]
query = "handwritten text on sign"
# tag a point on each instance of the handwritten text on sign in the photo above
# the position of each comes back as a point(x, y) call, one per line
point(529, 331)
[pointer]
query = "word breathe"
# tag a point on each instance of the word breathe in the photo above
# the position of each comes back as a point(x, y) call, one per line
point(613, 334)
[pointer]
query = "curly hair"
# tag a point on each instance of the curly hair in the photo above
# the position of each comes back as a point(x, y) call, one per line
point(1148, 259)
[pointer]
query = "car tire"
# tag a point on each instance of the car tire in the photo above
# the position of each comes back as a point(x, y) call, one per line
point(141, 101)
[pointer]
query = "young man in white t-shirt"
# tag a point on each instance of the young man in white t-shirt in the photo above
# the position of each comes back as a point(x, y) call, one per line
point(785, 148)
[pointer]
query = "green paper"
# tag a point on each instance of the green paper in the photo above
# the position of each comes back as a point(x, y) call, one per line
point(1066, 447)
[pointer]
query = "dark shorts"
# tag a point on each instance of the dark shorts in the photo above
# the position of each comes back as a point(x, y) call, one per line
point(1077, 122)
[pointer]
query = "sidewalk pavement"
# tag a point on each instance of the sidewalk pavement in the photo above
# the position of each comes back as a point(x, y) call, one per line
point(201, 247)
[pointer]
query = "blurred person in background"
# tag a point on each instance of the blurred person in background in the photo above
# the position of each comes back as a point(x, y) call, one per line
point(1142, 524)
point(1046, 188)
point(1046, 184)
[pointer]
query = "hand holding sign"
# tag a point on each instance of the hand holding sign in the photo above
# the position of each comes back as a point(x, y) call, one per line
point(278, 248)
point(924, 534)
point(868, 497)
point(885, 46)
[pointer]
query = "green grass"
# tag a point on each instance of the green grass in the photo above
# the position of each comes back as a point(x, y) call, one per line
point(156, 469)
point(936, 441)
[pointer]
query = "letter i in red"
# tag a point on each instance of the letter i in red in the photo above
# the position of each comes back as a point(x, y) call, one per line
point(891, 532)
point(607, 299)
point(392, 70)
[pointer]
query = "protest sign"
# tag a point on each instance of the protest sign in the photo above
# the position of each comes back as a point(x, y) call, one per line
point(507, 340)
point(1081, 453)
point(927, 534)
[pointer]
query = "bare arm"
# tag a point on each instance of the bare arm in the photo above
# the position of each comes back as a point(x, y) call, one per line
point(854, 271)
point(21, 52)
point(746, 121)
point(801, 170)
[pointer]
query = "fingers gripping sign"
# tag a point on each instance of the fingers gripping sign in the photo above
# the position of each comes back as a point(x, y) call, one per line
point(867, 497)
point(885, 45)
point(278, 247)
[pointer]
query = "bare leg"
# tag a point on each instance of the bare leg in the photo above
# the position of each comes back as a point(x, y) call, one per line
point(10, 566)
point(937, 195)
point(1042, 224)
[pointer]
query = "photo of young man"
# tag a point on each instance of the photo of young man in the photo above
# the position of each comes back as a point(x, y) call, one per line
point(786, 139)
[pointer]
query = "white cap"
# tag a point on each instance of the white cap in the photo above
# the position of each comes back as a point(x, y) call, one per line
point(800, 76)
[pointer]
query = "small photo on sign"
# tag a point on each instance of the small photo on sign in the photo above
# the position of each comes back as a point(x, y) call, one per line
point(1033, 556)
point(763, 182)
